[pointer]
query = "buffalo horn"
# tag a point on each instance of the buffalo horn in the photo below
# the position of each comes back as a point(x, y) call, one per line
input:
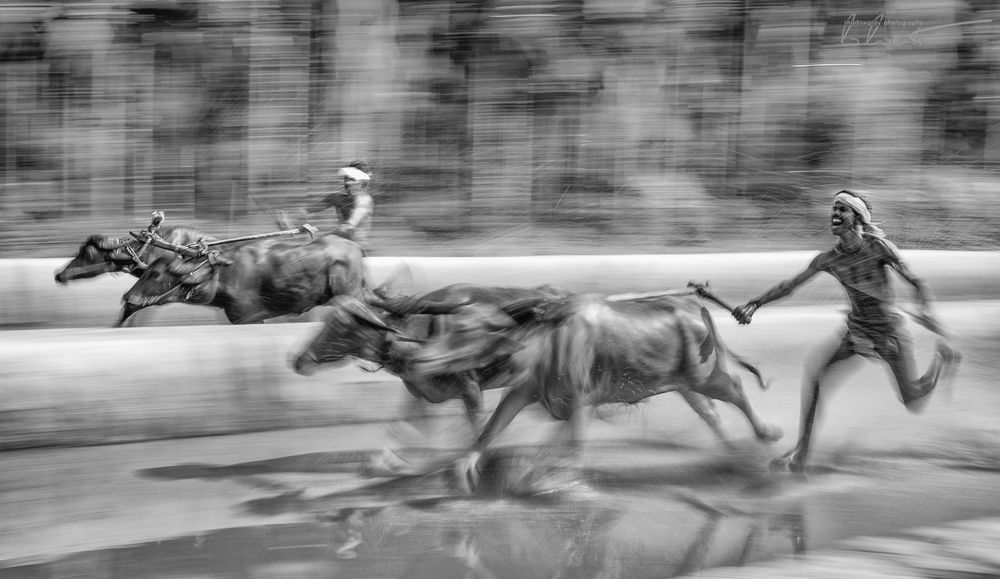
point(525, 308)
point(405, 306)
point(157, 241)
point(361, 311)
point(106, 243)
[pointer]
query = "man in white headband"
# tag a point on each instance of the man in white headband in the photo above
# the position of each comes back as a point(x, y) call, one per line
point(861, 208)
point(353, 203)
point(860, 261)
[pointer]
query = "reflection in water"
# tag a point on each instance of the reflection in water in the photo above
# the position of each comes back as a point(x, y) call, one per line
point(790, 523)
point(396, 541)
point(527, 522)
point(458, 555)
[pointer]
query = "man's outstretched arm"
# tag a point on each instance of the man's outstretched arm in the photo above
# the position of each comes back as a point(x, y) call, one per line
point(744, 313)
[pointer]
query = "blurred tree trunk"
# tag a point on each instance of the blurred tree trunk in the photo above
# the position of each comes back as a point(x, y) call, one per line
point(323, 120)
point(741, 39)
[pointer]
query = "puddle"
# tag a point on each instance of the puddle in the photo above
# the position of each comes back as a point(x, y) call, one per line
point(650, 519)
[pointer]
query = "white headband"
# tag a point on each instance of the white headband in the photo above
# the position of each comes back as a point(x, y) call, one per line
point(354, 174)
point(856, 204)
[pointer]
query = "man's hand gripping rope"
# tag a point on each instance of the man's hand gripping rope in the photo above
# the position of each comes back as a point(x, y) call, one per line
point(742, 314)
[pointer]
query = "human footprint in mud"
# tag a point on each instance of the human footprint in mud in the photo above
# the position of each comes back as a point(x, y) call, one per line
point(860, 261)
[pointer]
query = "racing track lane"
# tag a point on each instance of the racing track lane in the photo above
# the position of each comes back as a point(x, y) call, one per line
point(30, 298)
point(660, 496)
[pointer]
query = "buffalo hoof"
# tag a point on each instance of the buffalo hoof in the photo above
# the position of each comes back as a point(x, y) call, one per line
point(919, 404)
point(387, 464)
point(771, 433)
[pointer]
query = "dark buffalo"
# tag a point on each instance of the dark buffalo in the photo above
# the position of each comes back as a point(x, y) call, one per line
point(586, 350)
point(101, 254)
point(387, 334)
point(390, 333)
point(255, 280)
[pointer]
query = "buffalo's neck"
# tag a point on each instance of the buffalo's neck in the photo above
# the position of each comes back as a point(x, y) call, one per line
point(224, 299)
point(396, 357)
point(212, 292)
point(241, 302)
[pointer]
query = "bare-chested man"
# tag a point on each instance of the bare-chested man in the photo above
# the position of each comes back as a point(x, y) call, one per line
point(353, 203)
point(860, 261)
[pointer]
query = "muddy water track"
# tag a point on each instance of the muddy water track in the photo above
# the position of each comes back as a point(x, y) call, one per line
point(635, 508)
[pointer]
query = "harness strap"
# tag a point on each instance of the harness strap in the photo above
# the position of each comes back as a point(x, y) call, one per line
point(187, 293)
point(145, 245)
point(212, 283)
point(135, 257)
point(214, 286)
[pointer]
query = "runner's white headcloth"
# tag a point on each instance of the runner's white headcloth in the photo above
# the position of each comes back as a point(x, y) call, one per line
point(353, 174)
point(856, 204)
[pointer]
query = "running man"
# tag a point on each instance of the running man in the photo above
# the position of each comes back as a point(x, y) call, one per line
point(860, 261)
point(353, 203)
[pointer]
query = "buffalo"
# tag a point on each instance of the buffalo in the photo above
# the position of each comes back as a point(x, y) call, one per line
point(586, 350)
point(255, 280)
point(389, 333)
point(101, 254)
point(386, 331)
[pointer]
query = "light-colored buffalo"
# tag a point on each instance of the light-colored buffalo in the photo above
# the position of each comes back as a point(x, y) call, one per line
point(585, 350)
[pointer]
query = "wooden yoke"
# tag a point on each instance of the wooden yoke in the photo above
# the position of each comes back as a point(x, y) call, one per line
point(148, 236)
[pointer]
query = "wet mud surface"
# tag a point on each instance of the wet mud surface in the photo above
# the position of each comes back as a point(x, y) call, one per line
point(654, 495)
point(634, 509)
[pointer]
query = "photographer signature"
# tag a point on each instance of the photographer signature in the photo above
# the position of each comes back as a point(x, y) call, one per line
point(871, 28)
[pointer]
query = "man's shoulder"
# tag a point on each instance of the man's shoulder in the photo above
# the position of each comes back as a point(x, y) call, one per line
point(823, 258)
point(880, 245)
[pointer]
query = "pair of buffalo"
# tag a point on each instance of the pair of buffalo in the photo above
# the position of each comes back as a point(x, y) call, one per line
point(251, 281)
point(565, 351)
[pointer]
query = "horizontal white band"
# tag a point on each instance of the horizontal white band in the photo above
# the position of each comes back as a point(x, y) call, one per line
point(353, 173)
point(856, 204)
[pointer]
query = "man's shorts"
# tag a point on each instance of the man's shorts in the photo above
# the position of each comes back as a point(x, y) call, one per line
point(877, 339)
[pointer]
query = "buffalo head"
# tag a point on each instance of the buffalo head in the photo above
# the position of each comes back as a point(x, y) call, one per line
point(167, 279)
point(97, 255)
point(350, 329)
point(476, 337)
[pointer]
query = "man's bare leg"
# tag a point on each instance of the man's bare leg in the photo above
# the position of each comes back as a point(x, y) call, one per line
point(794, 460)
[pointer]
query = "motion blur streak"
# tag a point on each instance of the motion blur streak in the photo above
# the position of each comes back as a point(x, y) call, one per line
point(629, 131)
point(571, 126)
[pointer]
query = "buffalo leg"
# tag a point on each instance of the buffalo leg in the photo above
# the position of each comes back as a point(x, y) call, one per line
point(472, 397)
point(572, 435)
point(728, 388)
point(697, 553)
point(403, 435)
point(705, 408)
point(467, 467)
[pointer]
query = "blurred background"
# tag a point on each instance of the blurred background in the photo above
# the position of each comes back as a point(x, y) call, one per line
point(503, 126)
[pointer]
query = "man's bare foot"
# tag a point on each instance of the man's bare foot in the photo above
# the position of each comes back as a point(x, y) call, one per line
point(946, 363)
